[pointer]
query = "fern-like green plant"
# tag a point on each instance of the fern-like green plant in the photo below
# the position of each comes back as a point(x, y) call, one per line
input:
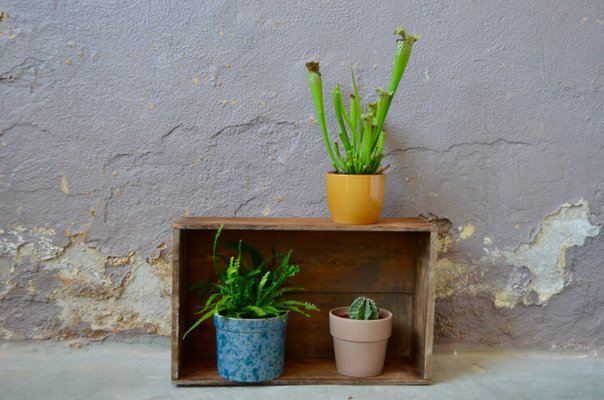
point(361, 133)
point(254, 290)
point(363, 308)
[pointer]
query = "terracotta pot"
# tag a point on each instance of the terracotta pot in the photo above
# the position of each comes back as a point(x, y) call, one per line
point(359, 346)
point(355, 199)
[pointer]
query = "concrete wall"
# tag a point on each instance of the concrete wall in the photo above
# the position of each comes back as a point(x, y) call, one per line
point(116, 118)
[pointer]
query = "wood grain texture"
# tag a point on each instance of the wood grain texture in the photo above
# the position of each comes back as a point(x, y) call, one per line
point(307, 371)
point(301, 224)
point(342, 262)
point(429, 263)
point(394, 267)
point(423, 308)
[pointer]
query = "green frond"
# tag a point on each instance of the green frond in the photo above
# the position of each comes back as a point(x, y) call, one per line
point(250, 291)
point(255, 310)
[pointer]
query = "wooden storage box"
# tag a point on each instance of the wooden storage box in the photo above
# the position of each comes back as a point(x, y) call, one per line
point(391, 261)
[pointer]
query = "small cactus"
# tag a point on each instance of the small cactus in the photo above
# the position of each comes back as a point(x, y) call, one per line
point(363, 308)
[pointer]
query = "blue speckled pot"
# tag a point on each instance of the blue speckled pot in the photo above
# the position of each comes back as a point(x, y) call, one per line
point(250, 350)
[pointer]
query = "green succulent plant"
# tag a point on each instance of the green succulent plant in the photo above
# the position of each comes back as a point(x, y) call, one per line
point(250, 290)
point(363, 308)
point(361, 133)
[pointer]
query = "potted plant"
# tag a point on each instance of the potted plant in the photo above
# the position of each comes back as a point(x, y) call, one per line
point(360, 337)
point(250, 312)
point(355, 189)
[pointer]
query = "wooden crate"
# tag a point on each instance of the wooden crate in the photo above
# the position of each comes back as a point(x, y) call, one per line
point(391, 261)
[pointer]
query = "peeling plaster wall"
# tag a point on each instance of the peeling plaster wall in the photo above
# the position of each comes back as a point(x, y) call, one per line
point(116, 118)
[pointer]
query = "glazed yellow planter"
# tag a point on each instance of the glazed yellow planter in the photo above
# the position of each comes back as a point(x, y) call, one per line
point(355, 199)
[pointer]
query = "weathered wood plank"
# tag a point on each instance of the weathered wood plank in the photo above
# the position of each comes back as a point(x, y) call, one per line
point(308, 371)
point(301, 224)
point(342, 262)
point(423, 308)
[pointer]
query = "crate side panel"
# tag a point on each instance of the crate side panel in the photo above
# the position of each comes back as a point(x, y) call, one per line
point(423, 305)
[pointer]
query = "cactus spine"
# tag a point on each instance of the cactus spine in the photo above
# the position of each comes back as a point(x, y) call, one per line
point(363, 308)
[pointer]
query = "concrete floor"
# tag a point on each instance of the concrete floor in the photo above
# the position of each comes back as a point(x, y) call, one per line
point(140, 370)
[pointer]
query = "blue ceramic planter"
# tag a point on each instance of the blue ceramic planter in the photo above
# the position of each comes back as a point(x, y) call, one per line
point(250, 350)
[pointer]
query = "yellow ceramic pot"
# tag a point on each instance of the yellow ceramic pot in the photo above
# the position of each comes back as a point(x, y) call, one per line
point(355, 199)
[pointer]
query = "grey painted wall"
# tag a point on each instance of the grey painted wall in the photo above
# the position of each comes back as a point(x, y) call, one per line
point(116, 118)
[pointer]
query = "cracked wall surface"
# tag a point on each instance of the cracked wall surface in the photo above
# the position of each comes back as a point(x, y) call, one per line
point(118, 118)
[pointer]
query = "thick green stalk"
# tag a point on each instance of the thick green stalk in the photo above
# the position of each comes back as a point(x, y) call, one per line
point(338, 155)
point(345, 141)
point(337, 101)
point(380, 143)
point(316, 90)
point(404, 45)
point(378, 154)
point(401, 58)
point(382, 105)
point(403, 51)
point(372, 109)
point(355, 114)
point(367, 143)
point(345, 115)
point(356, 99)
point(359, 144)
point(354, 128)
